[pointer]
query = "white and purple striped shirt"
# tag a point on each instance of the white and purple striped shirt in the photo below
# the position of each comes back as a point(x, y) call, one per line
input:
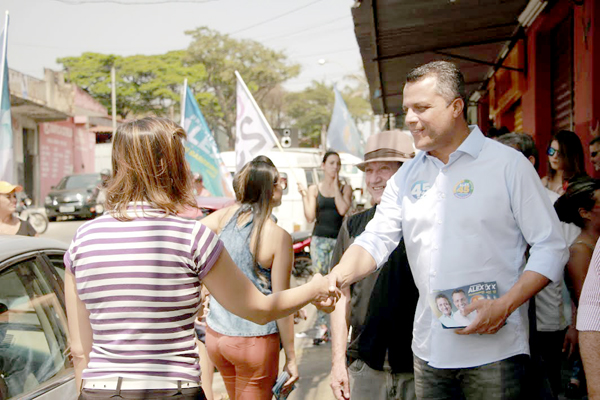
point(588, 311)
point(140, 281)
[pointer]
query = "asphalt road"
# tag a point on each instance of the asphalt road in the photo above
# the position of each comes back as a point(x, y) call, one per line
point(63, 230)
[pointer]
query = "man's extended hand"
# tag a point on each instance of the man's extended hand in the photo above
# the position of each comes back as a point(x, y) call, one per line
point(328, 305)
point(491, 316)
point(339, 381)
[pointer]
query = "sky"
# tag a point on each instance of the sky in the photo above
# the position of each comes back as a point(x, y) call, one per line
point(308, 31)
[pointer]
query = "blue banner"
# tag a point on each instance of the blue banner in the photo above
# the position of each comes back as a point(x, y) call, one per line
point(6, 134)
point(201, 149)
point(342, 135)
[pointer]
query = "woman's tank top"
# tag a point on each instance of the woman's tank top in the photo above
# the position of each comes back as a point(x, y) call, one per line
point(329, 221)
point(237, 242)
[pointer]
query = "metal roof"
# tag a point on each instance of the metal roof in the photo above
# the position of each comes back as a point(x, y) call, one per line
point(394, 36)
point(14, 245)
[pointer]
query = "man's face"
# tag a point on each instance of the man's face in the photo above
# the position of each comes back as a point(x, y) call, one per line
point(444, 306)
point(377, 173)
point(429, 116)
point(459, 300)
point(595, 155)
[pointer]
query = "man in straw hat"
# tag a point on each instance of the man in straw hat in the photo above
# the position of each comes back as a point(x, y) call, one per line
point(379, 357)
point(468, 208)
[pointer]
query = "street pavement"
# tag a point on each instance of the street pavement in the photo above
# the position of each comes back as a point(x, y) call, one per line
point(314, 362)
point(63, 231)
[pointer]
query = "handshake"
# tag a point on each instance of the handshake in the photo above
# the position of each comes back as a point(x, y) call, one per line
point(328, 291)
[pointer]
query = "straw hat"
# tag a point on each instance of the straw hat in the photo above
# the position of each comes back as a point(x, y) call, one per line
point(6, 188)
point(392, 145)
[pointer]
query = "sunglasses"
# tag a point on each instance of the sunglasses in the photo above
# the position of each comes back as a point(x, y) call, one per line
point(594, 154)
point(552, 151)
point(281, 182)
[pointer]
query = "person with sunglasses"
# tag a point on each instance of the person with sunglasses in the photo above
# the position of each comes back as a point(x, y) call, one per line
point(10, 224)
point(565, 161)
point(247, 354)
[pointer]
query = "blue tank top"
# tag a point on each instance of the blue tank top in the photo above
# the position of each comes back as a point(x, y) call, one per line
point(237, 242)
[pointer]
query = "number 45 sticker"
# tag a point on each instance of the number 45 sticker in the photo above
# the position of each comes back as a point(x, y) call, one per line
point(419, 188)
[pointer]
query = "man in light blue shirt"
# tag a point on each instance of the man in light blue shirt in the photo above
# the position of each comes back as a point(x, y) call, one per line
point(468, 207)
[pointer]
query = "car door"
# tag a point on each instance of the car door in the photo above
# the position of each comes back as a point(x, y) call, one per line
point(35, 357)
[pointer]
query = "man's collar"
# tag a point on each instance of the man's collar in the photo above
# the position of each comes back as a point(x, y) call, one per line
point(473, 144)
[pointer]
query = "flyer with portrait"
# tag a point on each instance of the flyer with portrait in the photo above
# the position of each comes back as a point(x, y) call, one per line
point(448, 305)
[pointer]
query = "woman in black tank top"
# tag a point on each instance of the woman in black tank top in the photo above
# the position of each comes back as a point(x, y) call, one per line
point(326, 203)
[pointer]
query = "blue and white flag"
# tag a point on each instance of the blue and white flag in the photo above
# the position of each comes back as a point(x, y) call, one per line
point(201, 149)
point(342, 135)
point(253, 134)
point(6, 134)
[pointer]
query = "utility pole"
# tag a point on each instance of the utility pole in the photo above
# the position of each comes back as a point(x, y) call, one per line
point(113, 77)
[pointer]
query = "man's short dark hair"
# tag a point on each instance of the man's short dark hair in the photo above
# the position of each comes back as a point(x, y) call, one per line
point(522, 142)
point(458, 291)
point(442, 296)
point(450, 82)
point(595, 140)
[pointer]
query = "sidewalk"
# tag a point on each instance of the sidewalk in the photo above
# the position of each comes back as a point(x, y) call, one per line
point(314, 364)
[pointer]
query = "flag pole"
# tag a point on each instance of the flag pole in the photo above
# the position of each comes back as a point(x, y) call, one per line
point(4, 47)
point(183, 100)
point(264, 119)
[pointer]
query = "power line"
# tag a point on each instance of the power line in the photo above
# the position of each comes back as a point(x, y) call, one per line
point(306, 29)
point(275, 17)
point(130, 2)
point(324, 53)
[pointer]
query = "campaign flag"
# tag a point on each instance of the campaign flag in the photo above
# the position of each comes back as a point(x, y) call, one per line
point(6, 135)
point(201, 149)
point(253, 134)
point(342, 134)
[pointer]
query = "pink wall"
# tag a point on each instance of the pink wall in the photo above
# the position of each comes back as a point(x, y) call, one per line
point(84, 144)
point(56, 153)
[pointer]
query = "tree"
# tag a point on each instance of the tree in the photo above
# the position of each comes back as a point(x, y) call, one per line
point(146, 84)
point(261, 68)
point(310, 110)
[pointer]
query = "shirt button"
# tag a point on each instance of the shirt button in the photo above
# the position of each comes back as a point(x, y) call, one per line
point(433, 273)
point(435, 247)
point(439, 221)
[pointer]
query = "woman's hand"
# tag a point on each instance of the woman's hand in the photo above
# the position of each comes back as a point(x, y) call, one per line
point(324, 292)
point(302, 189)
point(292, 369)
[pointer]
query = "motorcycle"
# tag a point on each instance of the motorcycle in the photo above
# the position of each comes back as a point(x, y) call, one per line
point(38, 220)
point(302, 262)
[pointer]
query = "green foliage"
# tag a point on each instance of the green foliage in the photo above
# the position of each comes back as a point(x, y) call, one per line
point(310, 110)
point(221, 55)
point(145, 84)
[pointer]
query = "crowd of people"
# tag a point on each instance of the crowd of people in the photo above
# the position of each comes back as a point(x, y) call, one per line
point(469, 278)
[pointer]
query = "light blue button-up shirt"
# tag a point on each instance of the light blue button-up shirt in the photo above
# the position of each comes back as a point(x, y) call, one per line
point(466, 222)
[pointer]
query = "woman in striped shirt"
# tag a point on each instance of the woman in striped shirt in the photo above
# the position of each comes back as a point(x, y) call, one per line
point(133, 276)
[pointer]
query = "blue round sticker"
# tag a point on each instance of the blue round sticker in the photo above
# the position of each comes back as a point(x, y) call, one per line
point(464, 189)
point(419, 188)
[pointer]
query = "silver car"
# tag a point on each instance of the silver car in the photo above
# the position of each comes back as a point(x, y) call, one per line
point(35, 359)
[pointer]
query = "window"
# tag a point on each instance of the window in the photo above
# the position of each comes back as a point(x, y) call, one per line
point(57, 262)
point(33, 329)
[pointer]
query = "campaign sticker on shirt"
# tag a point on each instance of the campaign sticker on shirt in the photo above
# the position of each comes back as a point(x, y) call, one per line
point(463, 189)
point(419, 188)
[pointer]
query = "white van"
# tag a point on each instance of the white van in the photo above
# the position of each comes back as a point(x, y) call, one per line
point(300, 165)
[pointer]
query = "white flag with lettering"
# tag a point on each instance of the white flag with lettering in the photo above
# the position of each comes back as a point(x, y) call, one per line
point(253, 134)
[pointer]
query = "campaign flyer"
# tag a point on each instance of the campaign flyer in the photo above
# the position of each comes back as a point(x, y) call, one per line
point(448, 305)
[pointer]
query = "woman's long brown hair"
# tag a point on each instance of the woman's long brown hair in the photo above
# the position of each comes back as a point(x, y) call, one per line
point(148, 163)
point(254, 185)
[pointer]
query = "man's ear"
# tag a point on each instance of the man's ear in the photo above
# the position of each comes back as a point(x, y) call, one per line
point(457, 107)
point(531, 160)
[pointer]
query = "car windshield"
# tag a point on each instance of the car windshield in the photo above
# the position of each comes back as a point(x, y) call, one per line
point(78, 181)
